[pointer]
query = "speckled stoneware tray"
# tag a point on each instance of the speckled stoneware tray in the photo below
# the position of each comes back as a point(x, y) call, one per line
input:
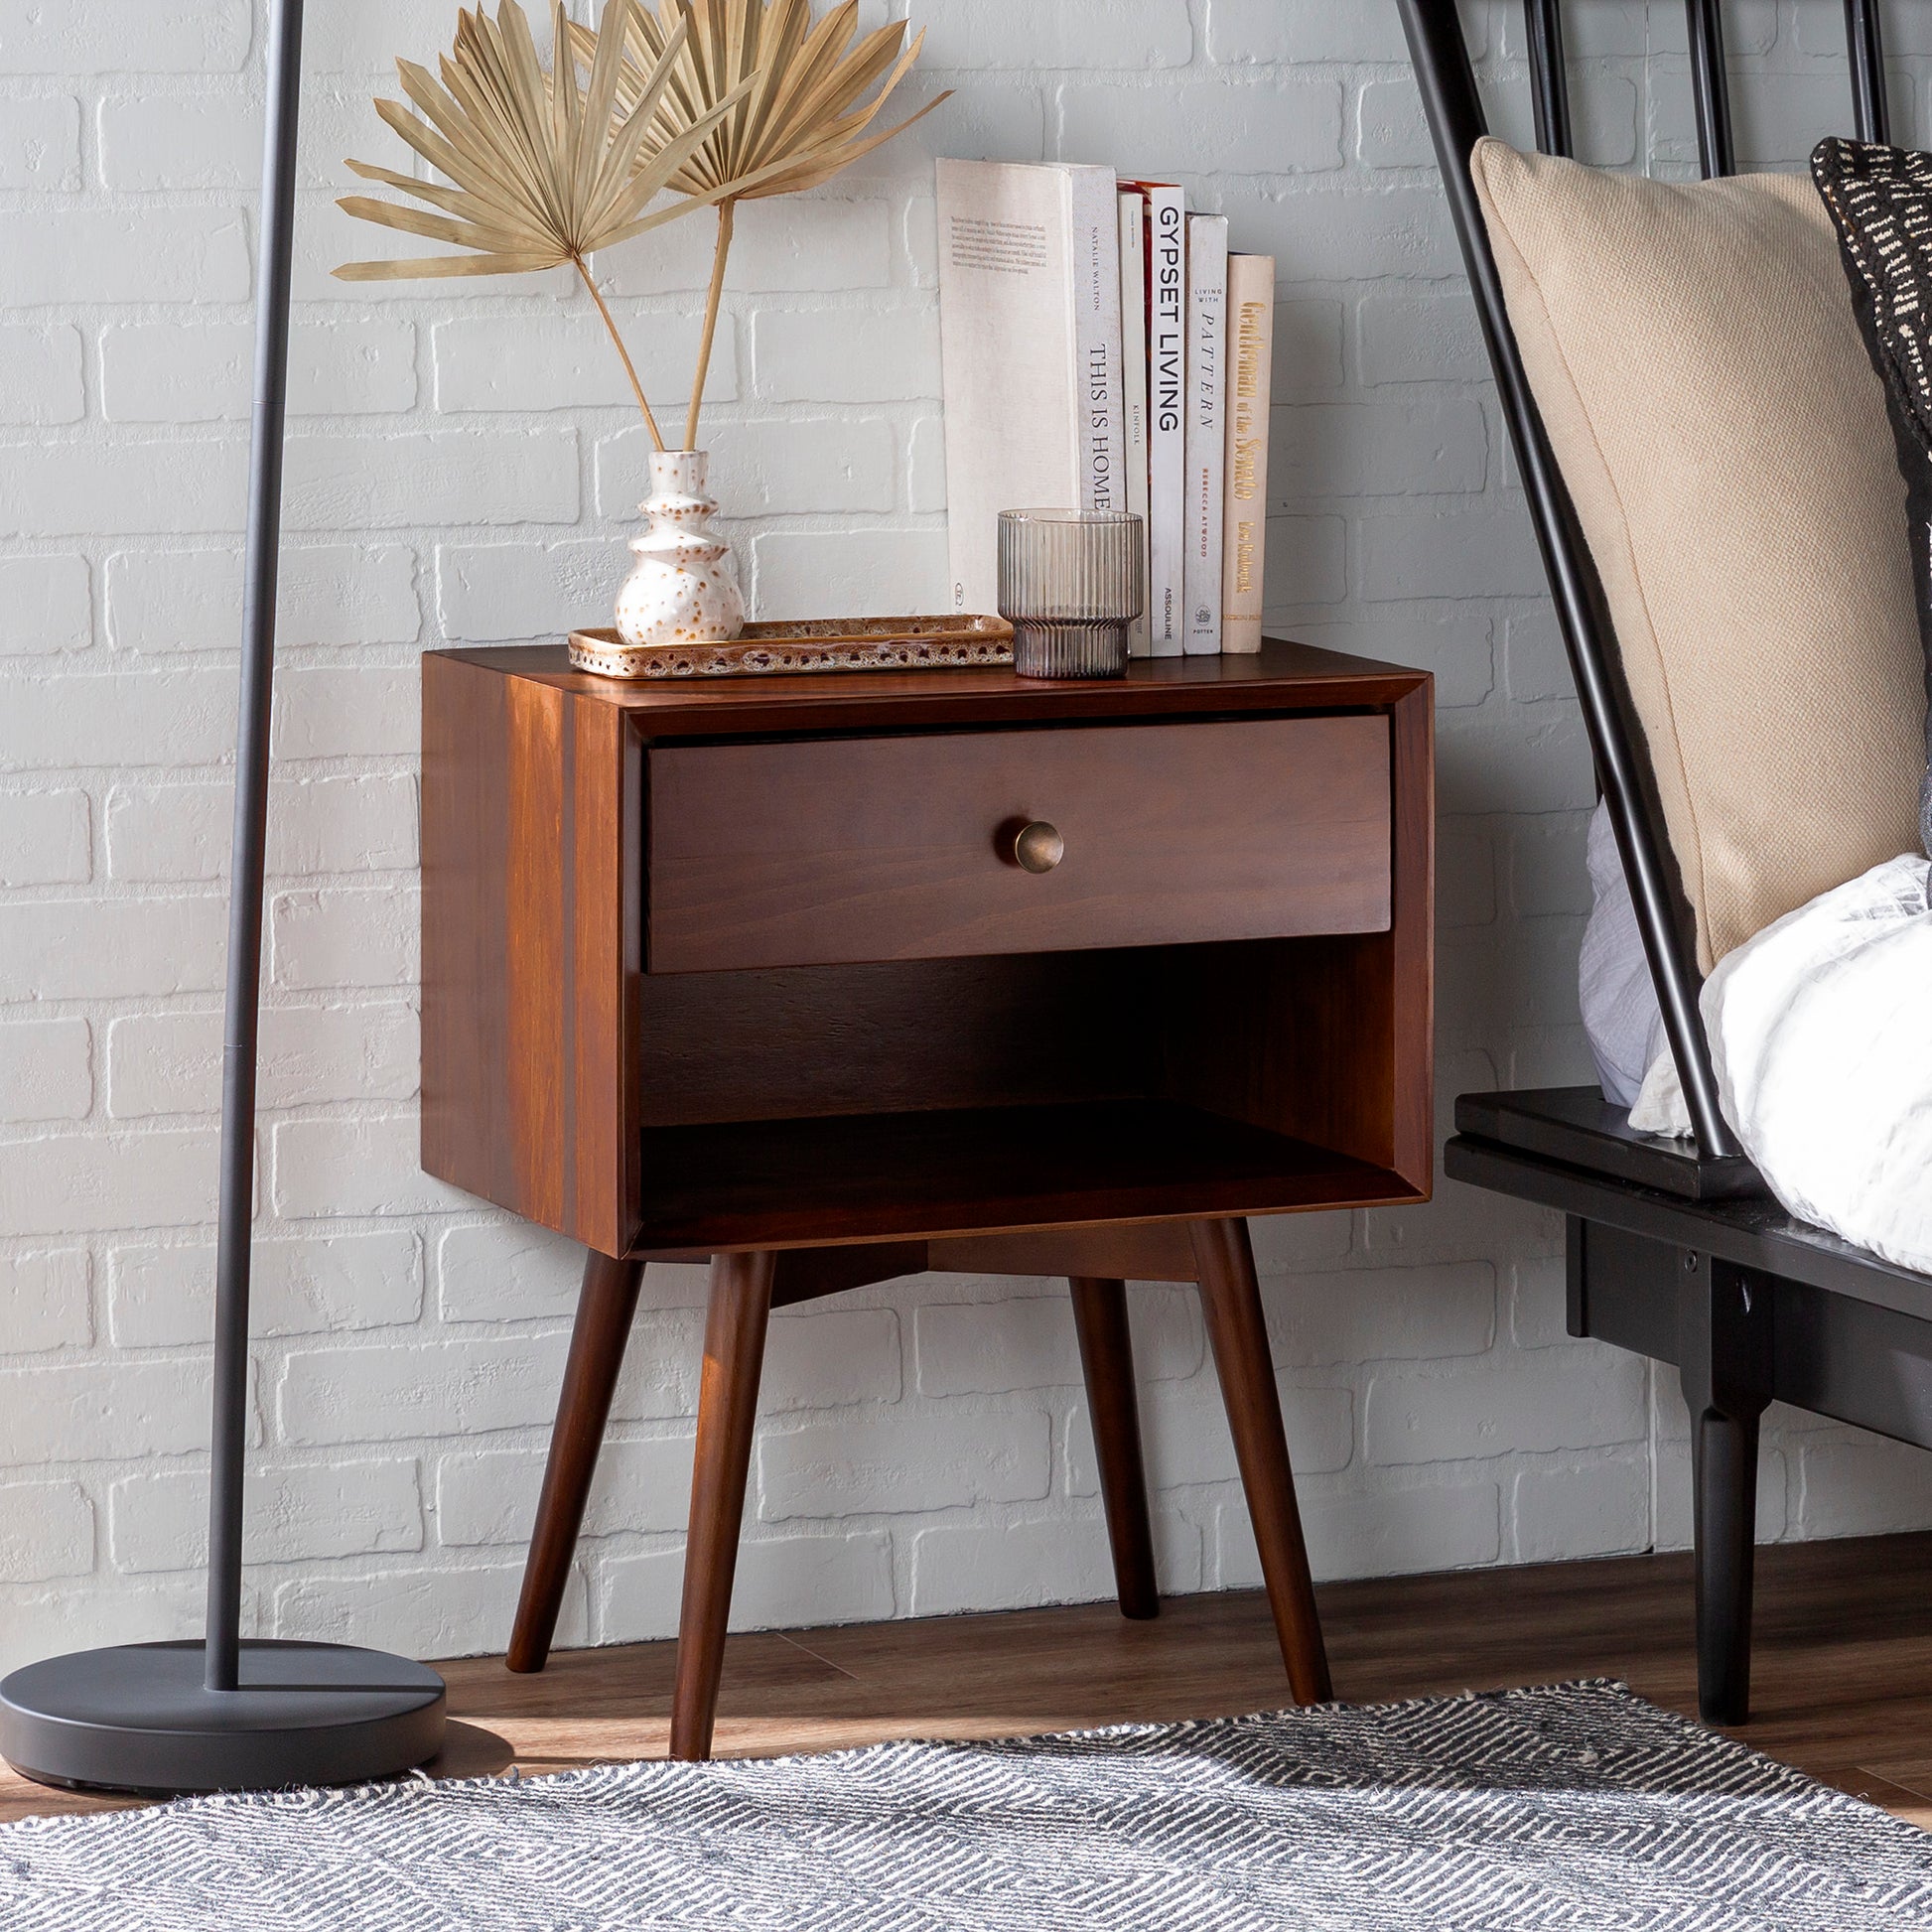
point(809, 644)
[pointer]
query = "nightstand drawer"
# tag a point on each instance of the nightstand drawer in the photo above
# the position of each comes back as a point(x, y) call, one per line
point(825, 851)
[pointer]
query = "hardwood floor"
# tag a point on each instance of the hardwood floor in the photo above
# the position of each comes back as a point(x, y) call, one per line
point(1843, 1680)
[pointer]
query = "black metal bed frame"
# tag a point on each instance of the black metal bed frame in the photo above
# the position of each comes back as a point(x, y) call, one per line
point(1672, 1248)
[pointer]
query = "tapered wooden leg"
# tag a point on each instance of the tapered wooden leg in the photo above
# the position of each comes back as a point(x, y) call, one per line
point(727, 1396)
point(1238, 1335)
point(605, 1307)
point(1107, 1358)
point(1725, 1346)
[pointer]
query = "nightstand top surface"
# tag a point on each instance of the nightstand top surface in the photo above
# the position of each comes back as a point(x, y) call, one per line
point(1281, 676)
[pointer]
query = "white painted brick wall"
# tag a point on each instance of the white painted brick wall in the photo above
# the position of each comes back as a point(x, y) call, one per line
point(45, 605)
point(46, 1300)
point(462, 467)
point(46, 1529)
point(164, 1297)
point(42, 145)
point(296, 1512)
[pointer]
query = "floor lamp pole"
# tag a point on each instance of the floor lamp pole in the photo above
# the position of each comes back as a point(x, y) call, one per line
point(224, 1714)
point(250, 861)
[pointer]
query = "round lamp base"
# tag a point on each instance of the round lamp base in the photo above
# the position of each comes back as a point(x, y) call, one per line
point(138, 1719)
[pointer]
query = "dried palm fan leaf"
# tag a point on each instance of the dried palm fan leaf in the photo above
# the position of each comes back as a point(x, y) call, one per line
point(796, 111)
point(541, 170)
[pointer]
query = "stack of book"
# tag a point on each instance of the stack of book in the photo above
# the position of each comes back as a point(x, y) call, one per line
point(1105, 350)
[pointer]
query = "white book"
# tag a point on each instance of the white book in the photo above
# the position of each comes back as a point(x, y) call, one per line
point(1206, 451)
point(1095, 207)
point(1030, 332)
point(1167, 412)
point(1133, 380)
point(1250, 353)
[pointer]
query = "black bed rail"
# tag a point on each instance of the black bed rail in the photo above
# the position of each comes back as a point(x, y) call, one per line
point(1871, 116)
point(1711, 86)
point(1549, 77)
point(1456, 118)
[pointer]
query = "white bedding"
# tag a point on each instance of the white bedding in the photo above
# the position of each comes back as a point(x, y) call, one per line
point(1821, 1035)
point(1821, 1032)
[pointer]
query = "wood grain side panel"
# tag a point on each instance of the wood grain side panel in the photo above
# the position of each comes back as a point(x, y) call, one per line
point(602, 929)
point(526, 868)
point(468, 1127)
point(825, 851)
point(1413, 934)
point(536, 959)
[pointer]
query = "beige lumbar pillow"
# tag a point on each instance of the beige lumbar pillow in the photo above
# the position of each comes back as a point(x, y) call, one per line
point(1695, 359)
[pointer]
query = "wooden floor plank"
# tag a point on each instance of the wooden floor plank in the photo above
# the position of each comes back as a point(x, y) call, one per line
point(1841, 1687)
point(1861, 1781)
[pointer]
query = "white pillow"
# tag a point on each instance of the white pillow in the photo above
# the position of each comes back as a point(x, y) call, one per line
point(1621, 1017)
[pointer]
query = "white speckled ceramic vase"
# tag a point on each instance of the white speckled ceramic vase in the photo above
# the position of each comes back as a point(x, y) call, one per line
point(683, 589)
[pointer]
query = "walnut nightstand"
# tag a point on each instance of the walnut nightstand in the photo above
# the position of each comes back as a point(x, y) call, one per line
point(836, 978)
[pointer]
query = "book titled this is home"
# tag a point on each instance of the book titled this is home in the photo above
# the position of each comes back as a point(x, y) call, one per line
point(1030, 327)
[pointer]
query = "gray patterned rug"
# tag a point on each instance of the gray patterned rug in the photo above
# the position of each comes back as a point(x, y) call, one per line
point(1574, 1806)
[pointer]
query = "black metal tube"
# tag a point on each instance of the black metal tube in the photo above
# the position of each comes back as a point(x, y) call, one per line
point(1549, 78)
point(1866, 52)
point(1711, 86)
point(1448, 92)
point(264, 556)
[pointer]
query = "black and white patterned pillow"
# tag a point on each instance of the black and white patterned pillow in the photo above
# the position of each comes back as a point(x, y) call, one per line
point(1881, 199)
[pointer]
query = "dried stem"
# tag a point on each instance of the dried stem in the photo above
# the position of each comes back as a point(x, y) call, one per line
point(717, 289)
point(636, 388)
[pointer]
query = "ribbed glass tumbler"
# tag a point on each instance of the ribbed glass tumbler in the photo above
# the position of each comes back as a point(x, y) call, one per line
point(1071, 583)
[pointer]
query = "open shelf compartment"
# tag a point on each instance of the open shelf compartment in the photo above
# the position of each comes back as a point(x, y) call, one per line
point(827, 1104)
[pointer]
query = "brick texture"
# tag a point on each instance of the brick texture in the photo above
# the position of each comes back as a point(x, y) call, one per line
point(464, 467)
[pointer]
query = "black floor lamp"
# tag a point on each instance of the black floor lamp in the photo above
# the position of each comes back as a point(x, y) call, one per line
point(224, 1714)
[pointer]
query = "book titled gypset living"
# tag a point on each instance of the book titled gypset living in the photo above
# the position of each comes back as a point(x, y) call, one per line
point(1133, 377)
point(1165, 309)
point(1104, 350)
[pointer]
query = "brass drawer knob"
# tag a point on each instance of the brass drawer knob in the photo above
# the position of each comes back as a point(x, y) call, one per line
point(1038, 846)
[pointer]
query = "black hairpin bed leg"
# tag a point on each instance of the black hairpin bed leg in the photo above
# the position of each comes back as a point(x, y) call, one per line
point(1725, 1337)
